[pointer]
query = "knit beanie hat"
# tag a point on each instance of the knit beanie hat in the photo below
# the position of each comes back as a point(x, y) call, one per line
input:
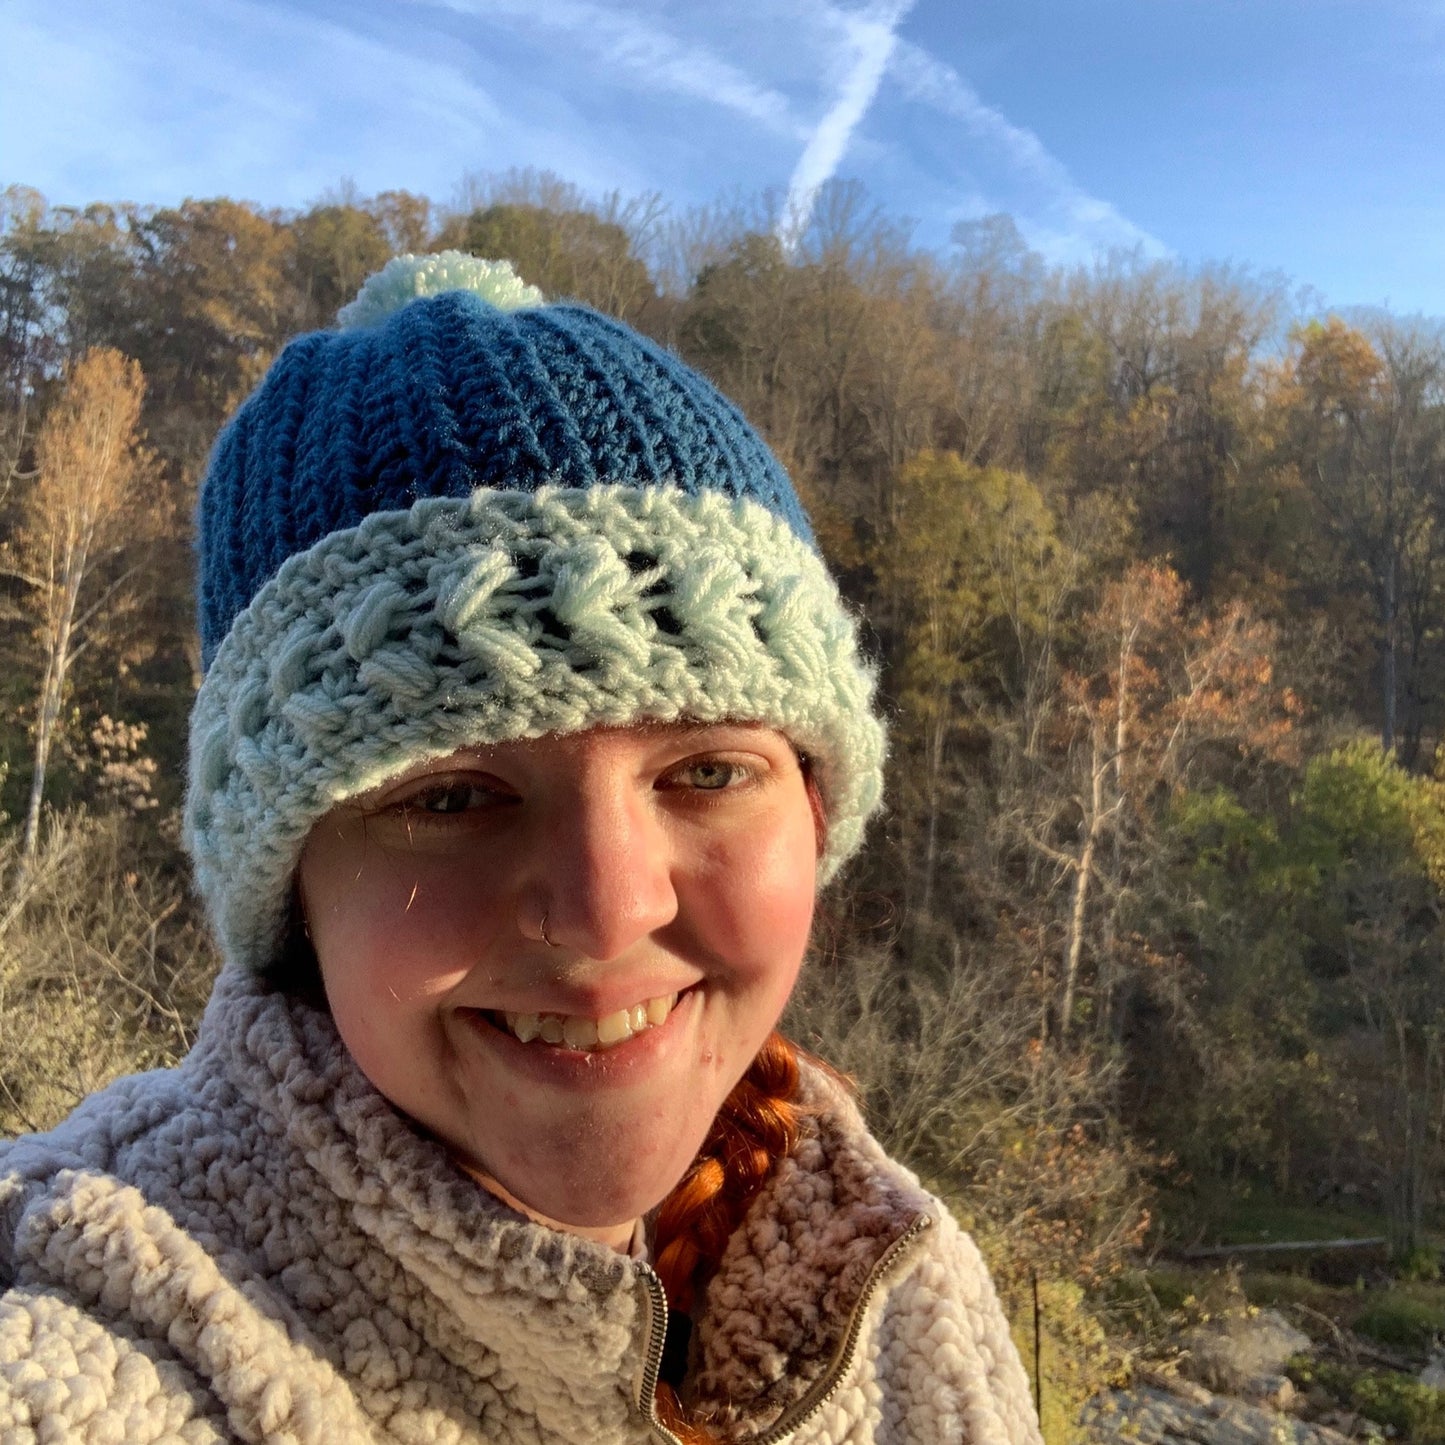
point(464, 517)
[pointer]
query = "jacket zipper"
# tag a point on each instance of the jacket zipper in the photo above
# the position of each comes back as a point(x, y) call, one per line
point(825, 1388)
point(820, 1392)
point(652, 1363)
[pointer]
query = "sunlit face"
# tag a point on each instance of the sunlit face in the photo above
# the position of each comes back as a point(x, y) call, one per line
point(673, 867)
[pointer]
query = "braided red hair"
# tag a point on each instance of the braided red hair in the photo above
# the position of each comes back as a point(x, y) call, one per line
point(757, 1125)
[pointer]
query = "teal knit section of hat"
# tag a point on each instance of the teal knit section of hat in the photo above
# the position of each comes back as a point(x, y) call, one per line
point(446, 395)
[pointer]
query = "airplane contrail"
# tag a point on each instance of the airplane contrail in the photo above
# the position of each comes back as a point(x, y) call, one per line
point(874, 35)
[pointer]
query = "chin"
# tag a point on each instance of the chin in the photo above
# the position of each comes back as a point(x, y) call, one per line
point(606, 1189)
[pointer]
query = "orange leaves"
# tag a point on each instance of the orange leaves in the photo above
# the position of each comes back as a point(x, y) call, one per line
point(72, 526)
point(1337, 369)
point(90, 462)
point(102, 399)
point(1158, 696)
point(1165, 682)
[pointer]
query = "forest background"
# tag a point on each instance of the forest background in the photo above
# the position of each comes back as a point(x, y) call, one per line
point(1152, 559)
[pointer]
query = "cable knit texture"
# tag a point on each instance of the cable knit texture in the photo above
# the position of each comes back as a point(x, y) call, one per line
point(503, 615)
point(257, 1247)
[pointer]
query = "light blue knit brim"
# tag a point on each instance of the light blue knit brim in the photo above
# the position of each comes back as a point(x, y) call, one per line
point(510, 615)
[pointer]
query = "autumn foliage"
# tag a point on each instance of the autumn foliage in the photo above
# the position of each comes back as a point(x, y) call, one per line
point(1153, 566)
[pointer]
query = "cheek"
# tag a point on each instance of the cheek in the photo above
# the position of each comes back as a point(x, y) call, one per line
point(758, 910)
point(385, 958)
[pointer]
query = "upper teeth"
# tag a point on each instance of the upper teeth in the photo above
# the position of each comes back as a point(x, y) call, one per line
point(578, 1032)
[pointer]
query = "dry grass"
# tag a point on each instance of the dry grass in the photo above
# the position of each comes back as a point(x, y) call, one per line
point(105, 966)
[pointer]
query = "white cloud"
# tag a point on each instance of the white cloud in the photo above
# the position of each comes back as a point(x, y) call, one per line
point(1059, 217)
point(278, 99)
point(649, 53)
point(872, 37)
point(263, 100)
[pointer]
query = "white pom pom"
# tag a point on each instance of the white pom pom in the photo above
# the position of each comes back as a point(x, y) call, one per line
point(404, 278)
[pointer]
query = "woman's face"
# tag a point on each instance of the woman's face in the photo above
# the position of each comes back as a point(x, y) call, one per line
point(674, 869)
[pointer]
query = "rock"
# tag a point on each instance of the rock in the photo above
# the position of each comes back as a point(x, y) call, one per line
point(1154, 1416)
point(1170, 1384)
point(1243, 1355)
point(1434, 1373)
point(1275, 1391)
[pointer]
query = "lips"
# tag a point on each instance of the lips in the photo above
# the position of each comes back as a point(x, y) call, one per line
point(583, 1033)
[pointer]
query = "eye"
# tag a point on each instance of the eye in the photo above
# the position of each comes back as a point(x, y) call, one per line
point(710, 775)
point(441, 812)
point(452, 798)
point(444, 797)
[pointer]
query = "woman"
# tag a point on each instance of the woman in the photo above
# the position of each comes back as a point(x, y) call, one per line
point(531, 724)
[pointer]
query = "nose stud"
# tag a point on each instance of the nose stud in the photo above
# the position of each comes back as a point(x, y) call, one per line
point(542, 929)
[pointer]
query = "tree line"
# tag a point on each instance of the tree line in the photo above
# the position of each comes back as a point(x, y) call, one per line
point(1152, 557)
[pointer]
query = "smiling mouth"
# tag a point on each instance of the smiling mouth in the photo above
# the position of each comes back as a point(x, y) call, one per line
point(579, 1032)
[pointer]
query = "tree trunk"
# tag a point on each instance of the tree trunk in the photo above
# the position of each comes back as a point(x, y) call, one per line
point(930, 850)
point(1390, 663)
point(1084, 872)
point(52, 693)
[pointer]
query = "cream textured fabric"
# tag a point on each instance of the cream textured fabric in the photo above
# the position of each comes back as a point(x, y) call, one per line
point(506, 615)
point(256, 1247)
point(404, 278)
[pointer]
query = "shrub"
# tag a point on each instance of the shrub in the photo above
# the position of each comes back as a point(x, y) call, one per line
point(1269, 1288)
point(1148, 1304)
point(1414, 1411)
point(1402, 1319)
point(1422, 1264)
point(955, 1082)
point(104, 966)
point(1075, 1360)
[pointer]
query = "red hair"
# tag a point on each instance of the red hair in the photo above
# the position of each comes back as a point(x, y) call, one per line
point(758, 1125)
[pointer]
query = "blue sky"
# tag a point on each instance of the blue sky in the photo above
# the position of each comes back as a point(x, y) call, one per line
point(1300, 136)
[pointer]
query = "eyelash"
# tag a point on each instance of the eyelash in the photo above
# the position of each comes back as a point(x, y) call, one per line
point(417, 805)
point(422, 799)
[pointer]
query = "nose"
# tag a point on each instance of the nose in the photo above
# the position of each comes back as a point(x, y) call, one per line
point(603, 874)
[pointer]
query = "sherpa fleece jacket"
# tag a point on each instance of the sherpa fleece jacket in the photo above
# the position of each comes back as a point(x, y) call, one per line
point(255, 1246)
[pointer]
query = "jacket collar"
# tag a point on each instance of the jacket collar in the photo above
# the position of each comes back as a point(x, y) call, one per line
point(564, 1318)
point(554, 1321)
point(775, 1313)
